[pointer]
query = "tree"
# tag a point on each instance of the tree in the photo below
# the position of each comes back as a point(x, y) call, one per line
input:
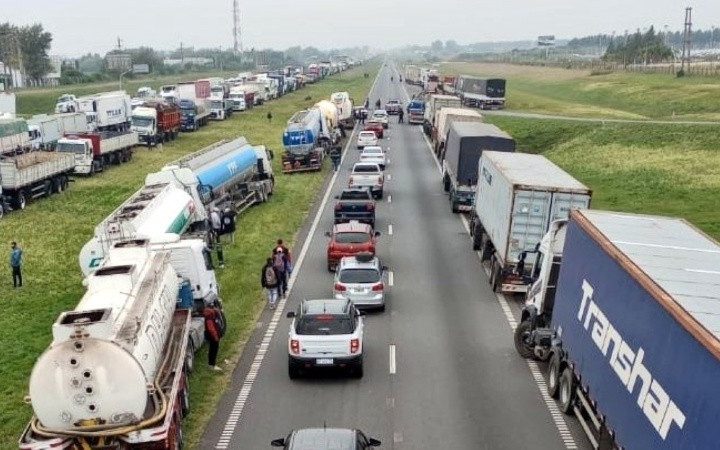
point(436, 46)
point(451, 46)
point(34, 44)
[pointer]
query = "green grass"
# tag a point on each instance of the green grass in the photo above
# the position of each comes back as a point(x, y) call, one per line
point(641, 168)
point(42, 100)
point(52, 231)
point(615, 95)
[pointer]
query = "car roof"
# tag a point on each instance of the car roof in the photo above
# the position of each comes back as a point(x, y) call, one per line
point(351, 262)
point(352, 226)
point(381, 111)
point(324, 439)
point(324, 306)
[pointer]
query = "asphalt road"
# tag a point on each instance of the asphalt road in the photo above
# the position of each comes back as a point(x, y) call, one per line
point(457, 383)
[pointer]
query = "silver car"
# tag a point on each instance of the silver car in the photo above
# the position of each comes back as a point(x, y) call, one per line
point(360, 279)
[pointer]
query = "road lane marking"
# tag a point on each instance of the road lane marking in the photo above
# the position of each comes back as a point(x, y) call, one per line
point(246, 388)
point(391, 278)
point(389, 177)
point(389, 198)
point(392, 366)
point(390, 230)
point(557, 416)
point(397, 437)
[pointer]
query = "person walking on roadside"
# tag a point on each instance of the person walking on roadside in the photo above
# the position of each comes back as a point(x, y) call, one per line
point(269, 116)
point(270, 280)
point(335, 157)
point(401, 115)
point(281, 264)
point(216, 225)
point(228, 223)
point(213, 334)
point(16, 264)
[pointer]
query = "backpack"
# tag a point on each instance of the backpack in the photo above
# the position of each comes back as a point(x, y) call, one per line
point(220, 324)
point(270, 276)
point(279, 261)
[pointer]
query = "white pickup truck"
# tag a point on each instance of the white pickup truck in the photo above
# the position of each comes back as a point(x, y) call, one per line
point(368, 175)
point(325, 334)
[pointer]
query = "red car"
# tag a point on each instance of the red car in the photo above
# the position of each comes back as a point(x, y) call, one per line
point(349, 239)
point(376, 127)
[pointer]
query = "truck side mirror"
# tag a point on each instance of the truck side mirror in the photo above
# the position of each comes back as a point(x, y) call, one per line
point(374, 442)
point(290, 314)
point(278, 442)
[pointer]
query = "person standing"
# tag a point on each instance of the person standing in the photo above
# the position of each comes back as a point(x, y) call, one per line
point(270, 279)
point(216, 225)
point(213, 334)
point(335, 157)
point(280, 262)
point(269, 116)
point(286, 251)
point(16, 264)
point(228, 223)
point(401, 115)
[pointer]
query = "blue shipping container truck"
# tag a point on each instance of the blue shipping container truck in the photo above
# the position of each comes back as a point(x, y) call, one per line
point(637, 320)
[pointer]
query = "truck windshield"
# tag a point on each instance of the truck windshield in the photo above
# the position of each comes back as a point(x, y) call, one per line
point(144, 122)
point(71, 147)
point(216, 105)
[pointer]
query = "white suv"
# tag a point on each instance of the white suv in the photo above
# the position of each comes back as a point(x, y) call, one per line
point(366, 138)
point(368, 175)
point(325, 333)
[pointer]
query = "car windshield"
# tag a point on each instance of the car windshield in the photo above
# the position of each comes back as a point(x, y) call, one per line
point(372, 152)
point(326, 324)
point(365, 168)
point(367, 134)
point(355, 195)
point(359, 276)
point(351, 237)
point(379, 114)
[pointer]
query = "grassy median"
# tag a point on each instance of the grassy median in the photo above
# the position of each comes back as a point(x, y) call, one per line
point(52, 231)
point(553, 90)
point(642, 168)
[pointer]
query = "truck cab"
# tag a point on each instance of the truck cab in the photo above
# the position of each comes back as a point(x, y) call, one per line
point(220, 108)
point(144, 123)
point(237, 97)
point(85, 162)
point(66, 103)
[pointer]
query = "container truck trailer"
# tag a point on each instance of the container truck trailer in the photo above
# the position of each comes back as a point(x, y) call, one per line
point(32, 175)
point(444, 119)
point(466, 142)
point(116, 372)
point(625, 310)
point(106, 111)
point(7, 103)
point(518, 197)
point(93, 152)
point(306, 139)
point(156, 121)
point(72, 123)
point(14, 136)
point(483, 93)
point(44, 131)
point(434, 104)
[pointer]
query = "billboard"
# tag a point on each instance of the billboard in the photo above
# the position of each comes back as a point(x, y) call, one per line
point(141, 68)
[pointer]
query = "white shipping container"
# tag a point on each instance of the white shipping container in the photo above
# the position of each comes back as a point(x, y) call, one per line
point(518, 195)
point(19, 171)
point(7, 103)
point(447, 116)
point(72, 123)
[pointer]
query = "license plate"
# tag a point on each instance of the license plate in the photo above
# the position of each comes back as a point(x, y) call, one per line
point(324, 361)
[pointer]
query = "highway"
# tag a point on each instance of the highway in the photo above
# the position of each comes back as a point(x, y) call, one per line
point(440, 368)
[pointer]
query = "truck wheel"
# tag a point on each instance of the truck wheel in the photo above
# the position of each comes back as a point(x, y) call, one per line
point(553, 381)
point(185, 399)
point(47, 188)
point(567, 391)
point(189, 357)
point(521, 338)
point(486, 249)
point(495, 276)
point(454, 206)
point(20, 200)
point(63, 182)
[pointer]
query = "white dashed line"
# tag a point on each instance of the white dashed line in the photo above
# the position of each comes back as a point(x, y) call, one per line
point(555, 413)
point(390, 230)
point(389, 198)
point(389, 177)
point(391, 362)
point(239, 405)
point(391, 278)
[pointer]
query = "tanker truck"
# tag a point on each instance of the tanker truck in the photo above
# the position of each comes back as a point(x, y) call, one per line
point(344, 105)
point(332, 119)
point(116, 372)
point(305, 139)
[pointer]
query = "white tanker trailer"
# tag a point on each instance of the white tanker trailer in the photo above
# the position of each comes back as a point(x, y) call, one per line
point(114, 374)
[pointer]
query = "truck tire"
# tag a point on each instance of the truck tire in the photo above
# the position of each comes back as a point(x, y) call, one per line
point(520, 337)
point(567, 391)
point(64, 182)
point(495, 274)
point(189, 357)
point(486, 249)
point(47, 188)
point(2, 210)
point(553, 376)
point(185, 399)
point(293, 371)
point(20, 200)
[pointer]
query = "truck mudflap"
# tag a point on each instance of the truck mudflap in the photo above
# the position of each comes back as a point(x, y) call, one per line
point(312, 161)
point(155, 430)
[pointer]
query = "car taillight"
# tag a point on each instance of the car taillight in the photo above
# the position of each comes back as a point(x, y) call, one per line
point(370, 207)
point(338, 207)
point(354, 345)
point(381, 180)
point(340, 288)
point(295, 346)
point(378, 287)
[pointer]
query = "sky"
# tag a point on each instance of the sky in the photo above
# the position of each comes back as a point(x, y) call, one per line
point(81, 26)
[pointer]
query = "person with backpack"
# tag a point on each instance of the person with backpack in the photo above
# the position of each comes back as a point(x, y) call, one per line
point(281, 263)
point(213, 333)
point(269, 279)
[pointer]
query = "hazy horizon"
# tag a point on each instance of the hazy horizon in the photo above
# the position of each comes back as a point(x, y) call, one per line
point(82, 26)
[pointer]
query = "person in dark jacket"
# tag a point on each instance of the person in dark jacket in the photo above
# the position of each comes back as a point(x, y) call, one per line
point(228, 223)
point(401, 115)
point(16, 264)
point(212, 335)
point(281, 262)
point(270, 280)
point(335, 157)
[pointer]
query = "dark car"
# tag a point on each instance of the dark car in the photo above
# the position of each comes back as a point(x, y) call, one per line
point(377, 127)
point(326, 439)
point(355, 204)
point(393, 107)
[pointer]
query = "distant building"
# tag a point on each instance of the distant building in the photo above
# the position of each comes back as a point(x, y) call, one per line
point(10, 77)
point(118, 62)
point(195, 61)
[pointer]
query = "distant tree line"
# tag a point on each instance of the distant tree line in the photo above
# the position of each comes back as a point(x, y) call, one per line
point(648, 47)
point(25, 46)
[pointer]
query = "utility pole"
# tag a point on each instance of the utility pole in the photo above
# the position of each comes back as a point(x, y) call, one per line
point(687, 40)
point(237, 31)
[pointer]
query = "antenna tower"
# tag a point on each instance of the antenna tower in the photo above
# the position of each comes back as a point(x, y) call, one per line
point(687, 40)
point(237, 33)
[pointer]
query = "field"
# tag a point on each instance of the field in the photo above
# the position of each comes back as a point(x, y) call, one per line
point(617, 95)
point(642, 168)
point(42, 100)
point(52, 231)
